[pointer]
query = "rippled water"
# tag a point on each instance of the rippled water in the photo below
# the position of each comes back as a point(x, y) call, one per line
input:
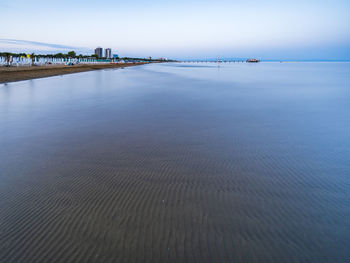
point(178, 163)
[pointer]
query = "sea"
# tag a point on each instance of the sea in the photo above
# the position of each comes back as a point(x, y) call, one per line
point(178, 162)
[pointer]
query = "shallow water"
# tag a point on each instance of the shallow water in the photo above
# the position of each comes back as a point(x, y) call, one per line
point(178, 163)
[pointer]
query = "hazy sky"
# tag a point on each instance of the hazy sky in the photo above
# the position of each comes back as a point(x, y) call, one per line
point(271, 29)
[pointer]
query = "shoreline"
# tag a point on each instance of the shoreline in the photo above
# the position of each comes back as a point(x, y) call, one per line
point(12, 74)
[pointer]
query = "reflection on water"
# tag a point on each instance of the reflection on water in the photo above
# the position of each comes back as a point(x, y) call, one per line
point(177, 163)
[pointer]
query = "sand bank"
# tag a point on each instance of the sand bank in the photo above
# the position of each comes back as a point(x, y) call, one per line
point(10, 74)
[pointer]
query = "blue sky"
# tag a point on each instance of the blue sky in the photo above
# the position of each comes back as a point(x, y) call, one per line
point(181, 29)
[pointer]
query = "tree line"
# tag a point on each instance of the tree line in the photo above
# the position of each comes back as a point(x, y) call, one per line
point(70, 54)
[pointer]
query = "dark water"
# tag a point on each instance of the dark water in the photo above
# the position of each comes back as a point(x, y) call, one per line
point(178, 163)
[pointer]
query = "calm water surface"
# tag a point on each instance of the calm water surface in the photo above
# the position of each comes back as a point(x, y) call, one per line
point(178, 163)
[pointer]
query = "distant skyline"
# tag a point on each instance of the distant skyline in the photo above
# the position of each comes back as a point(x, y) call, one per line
point(286, 30)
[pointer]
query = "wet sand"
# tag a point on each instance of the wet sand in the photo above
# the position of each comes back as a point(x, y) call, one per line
point(10, 74)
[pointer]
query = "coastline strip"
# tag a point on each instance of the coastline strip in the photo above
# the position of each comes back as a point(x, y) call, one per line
point(11, 74)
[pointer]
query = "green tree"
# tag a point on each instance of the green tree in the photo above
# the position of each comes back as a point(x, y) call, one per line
point(32, 56)
point(71, 54)
point(58, 55)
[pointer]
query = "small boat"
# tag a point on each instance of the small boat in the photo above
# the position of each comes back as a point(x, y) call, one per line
point(252, 60)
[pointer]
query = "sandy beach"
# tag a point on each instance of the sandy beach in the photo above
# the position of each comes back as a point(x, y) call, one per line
point(10, 74)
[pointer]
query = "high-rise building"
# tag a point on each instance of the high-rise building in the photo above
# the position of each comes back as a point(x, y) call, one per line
point(108, 53)
point(99, 52)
